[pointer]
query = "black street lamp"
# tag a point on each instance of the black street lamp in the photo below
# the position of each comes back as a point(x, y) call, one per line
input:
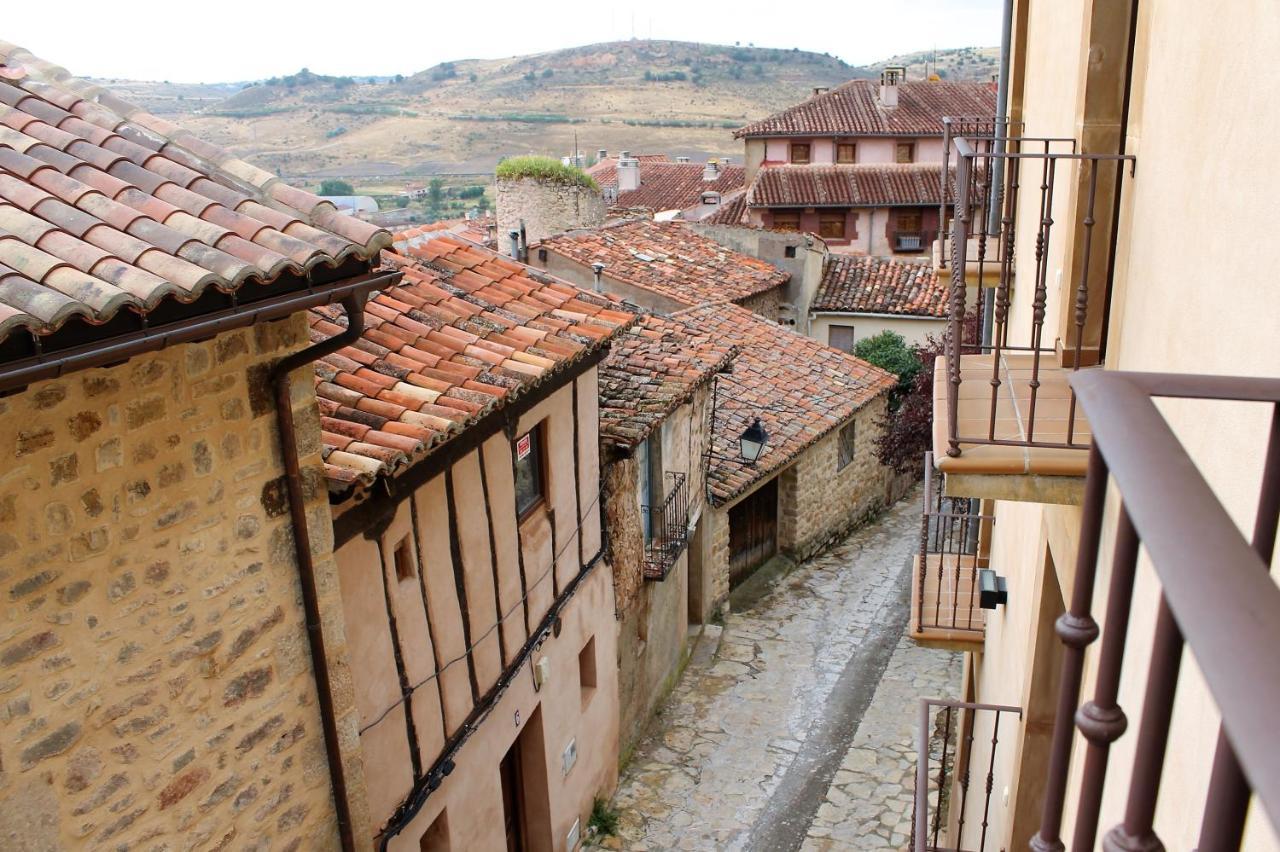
point(751, 443)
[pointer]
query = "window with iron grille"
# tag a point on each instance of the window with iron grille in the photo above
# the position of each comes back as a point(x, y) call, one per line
point(847, 435)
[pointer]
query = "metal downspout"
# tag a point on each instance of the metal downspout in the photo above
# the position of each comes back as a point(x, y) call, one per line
point(1001, 128)
point(353, 304)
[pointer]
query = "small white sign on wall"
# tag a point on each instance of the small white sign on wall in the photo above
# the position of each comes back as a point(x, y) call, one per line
point(523, 445)
point(570, 756)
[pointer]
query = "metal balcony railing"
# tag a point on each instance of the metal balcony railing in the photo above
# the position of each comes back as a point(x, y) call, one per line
point(945, 596)
point(995, 130)
point(1014, 391)
point(1216, 600)
point(668, 529)
point(957, 749)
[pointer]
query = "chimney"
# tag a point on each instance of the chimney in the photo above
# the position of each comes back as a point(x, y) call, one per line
point(602, 154)
point(683, 160)
point(725, 161)
point(514, 236)
point(598, 269)
point(890, 78)
point(711, 171)
point(820, 90)
point(624, 155)
point(628, 173)
point(524, 245)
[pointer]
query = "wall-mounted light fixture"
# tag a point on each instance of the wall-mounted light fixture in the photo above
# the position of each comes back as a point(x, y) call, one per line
point(993, 591)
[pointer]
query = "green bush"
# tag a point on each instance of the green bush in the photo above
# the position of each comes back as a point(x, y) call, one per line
point(889, 351)
point(604, 818)
point(546, 169)
point(331, 186)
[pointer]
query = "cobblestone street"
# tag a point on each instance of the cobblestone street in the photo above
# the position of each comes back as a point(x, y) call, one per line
point(798, 732)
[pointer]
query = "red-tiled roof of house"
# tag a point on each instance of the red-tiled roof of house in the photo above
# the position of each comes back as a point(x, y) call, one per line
point(799, 388)
point(475, 230)
point(466, 330)
point(854, 109)
point(670, 259)
point(105, 207)
point(669, 186)
point(733, 212)
point(879, 285)
point(849, 185)
point(650, 371)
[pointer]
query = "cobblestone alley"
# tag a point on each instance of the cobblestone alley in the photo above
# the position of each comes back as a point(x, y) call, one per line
point(798, 732)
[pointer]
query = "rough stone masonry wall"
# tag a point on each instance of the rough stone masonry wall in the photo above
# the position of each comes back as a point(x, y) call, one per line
point(767, 304)
point(625, 528)
point(817, 502)
point(546, 208)
point(156, 688)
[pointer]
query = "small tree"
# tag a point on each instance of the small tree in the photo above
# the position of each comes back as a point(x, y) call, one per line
point(435, 197)
point(332, 186)
point(889, 351)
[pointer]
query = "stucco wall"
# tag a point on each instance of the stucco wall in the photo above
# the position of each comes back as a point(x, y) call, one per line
point(1187, 56)
point(546, 208)
point(157, 687)
point(482, 581)
point(914, 331)
point(805, 267)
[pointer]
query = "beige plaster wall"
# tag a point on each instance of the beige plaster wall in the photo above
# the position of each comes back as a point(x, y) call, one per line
point(156, 686)
point(446, 634)
point(914, 331)
point(1185, 301)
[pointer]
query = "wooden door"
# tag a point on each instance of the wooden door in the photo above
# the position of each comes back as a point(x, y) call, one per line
point(512, 802)
point(753, 532)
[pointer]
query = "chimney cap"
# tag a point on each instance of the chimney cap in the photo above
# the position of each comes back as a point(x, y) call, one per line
point(597, 267)
point(624, 154)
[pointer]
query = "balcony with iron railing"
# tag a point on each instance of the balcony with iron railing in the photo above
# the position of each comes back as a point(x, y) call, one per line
point(946, 602)
point(1216, 602)
point(666, 529)
point(1006, 423)
point(959, 746)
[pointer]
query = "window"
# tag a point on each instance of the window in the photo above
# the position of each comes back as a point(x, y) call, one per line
point(800, 152)
point(531, 481)
point(587, 670)
point(909, 221)
point(405, 566)
point(831, 224)
point(789, 251)
point(841, 337)
point(786, 220)
point(846, 152)
point(905, 152)
point(847, 433)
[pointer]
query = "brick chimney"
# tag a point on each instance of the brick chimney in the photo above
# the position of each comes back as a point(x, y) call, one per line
point(890, 78)
point(628, 173)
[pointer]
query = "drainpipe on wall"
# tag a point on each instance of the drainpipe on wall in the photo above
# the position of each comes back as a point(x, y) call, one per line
point(997, 171)
point(353, 304)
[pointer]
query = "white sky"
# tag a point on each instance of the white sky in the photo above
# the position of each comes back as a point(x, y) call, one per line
point(232, 40)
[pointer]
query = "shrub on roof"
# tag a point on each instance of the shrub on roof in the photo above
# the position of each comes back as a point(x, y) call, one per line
point(544, 169)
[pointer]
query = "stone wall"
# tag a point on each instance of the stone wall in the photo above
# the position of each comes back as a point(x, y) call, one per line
point(156, 687)
point(767, 304)
point(818, 503)
point(546, 208)
point(623, 522)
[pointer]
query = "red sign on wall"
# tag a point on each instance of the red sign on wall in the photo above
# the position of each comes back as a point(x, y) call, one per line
point(523, 445)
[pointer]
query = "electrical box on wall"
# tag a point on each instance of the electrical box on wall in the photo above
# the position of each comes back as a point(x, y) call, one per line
point(570, 755)
point(541, 672)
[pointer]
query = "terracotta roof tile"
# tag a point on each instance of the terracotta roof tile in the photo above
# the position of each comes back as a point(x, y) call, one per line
point(857, 185)
point(733, 212)
point(854, 109)
point(175, 215)
point(670, 259)
point(878, 285)
point(413, 382)
point(668, 186)
point(799, 388)
point(651, 370)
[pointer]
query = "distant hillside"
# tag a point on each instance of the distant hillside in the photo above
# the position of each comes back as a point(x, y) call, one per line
point(963, 63)
point(459, 117)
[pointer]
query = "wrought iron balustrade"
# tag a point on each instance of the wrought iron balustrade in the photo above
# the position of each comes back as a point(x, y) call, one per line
point(958, 744)
point(667, 530)
point(1012, 390)
point(945, 595)
point(1216, 600)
